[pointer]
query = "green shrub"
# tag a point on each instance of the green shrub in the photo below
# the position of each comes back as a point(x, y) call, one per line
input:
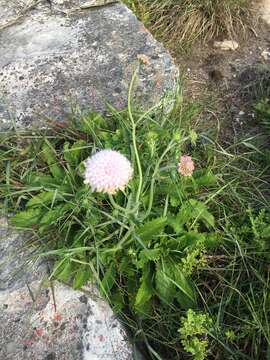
point(180, 22)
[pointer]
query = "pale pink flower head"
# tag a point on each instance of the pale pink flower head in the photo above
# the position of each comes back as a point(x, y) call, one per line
point(185, 166)
point(107, 171)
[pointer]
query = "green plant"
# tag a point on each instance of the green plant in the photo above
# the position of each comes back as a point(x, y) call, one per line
point(193, 334)
point(165, 245)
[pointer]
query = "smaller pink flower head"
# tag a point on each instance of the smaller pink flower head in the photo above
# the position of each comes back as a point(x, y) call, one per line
point(185, 166)
point(107, 171)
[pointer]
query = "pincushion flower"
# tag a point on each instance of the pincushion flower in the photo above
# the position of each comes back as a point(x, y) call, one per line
point(107, 171)
point(185, 166)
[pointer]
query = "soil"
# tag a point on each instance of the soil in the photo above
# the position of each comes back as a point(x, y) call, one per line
point(235, 79)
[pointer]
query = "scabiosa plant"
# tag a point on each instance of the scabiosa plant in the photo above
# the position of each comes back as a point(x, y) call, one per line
point(107, 171)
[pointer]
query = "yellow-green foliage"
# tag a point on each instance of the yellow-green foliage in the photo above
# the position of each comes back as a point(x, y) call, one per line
point(180, 22)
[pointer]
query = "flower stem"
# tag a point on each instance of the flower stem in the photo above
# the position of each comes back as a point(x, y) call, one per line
point(134, 137)
point(169, 147)
point(115, 205)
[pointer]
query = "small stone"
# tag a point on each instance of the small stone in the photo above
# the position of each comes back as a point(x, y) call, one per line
point(266, 55)
point(226, 45)
point(241, 113)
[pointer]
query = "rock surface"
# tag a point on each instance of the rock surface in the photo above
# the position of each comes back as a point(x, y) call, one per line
point(74, 326)
point(56, 58)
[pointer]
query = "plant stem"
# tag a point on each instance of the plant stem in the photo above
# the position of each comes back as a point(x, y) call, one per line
point(171, 144)
point(134, 137)
point(115, 205)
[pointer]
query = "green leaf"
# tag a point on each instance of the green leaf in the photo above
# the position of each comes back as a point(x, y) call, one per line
point(49, 156)
point(44, 198)
point(52, 216)
point(36, 178)
point(91, 122)
point(145, 291)
point(73, 154)
point(191, 210)
point(204, 179)
point(187, 295)
point(64, 271)
point(201, 212)
point(189, 239)
point(81, 277)
point(212, 240)
point(152, 228)
point(108, 279)
point(164, 285)
point(117, 300)
point(27, 218)
point(266, 232)
point(150, 254)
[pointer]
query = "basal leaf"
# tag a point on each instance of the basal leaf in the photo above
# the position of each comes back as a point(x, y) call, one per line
point(152, 228)
point(145, 291)
point(44, 198)
point(108, 280)
point(27, 218)
point(36, 178)
point(52, 216)
point(187, 294)
point(65, 271)
point(201, 212)
point(81, 277)
point(150, 254)
point(203, 178)
point(72, 154)
point(164, 285)
point(49, 157)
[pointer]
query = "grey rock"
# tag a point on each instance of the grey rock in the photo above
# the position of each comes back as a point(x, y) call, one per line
point(39, 323)
point(54, 60)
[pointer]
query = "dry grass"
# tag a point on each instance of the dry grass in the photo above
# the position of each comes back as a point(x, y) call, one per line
point(180, 22)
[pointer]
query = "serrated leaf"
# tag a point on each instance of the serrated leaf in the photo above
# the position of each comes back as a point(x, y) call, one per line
point(49, 157)
point(72, 154)
point(201, 212)
point(189, 239)
point(187, 295)
point(81, 277)
point(36, 178)
point(52, 216)
point(204, 179)
point(27, 218)
point(117, 300)
point(91, 122)
point(266, 232)
point(44, 198)
point(145, 291)
point(191, 210)
point(150, 254)
point(212, 240)
point(108, 279)
point(152, 228)
point(65, 271)
point(164, 285)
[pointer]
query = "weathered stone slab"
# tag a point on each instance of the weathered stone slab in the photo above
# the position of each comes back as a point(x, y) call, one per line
point(39, 323)
point(56, 57)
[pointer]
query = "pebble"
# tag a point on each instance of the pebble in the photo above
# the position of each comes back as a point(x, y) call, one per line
point(266, 55)
point(226, 45)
